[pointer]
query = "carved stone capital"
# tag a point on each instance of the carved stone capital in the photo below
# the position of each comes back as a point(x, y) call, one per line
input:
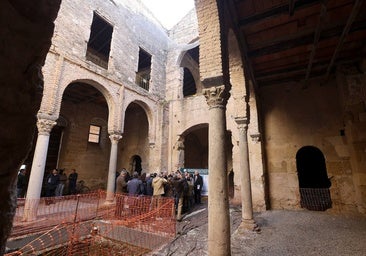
point(180, 143)
point(242, 122)
point(216, 96)
point(115, 137)
point(45, 126)
point(256, 137)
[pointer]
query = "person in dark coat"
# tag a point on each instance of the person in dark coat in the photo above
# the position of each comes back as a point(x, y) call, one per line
point(149, 188)
point(72, 181)
point(198, 184)
point(52, 181)
point(178, 183)
point(21, 183)
point(134, 186)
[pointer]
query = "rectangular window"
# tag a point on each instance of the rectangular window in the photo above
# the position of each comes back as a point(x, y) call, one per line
point(94, 134)
point(144, 70)
point(99, 44)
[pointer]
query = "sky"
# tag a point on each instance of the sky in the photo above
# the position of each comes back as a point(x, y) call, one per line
point(169, 12)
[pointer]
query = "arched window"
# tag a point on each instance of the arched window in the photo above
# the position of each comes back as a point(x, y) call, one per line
point(189, 85)
point(313, 179)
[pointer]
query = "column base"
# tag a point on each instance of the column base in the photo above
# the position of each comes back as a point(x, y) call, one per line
point(249, 225)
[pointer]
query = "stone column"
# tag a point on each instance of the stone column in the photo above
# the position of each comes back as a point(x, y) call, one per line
point(114, 137)
point(180, 148)
point(246, 190)
point(218, 199)
point(37, 172)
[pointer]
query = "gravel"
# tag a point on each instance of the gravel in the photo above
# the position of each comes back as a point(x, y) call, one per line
point(282, 233)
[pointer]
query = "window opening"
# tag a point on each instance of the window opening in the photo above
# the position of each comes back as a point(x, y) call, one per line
point(94, 134)
point(144, 69)
point(313, 179)
point(189, 85)
point(99, 44)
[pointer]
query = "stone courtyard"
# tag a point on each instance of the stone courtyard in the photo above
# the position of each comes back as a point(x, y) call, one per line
point(266, 97)
point(283, 233)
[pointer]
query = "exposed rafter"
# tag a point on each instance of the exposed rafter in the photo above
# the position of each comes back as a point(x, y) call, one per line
point(346, 30)
point(318, 30)
point(276, 11)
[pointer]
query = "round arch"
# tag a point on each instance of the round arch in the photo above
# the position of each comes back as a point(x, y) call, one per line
point(148, 111)
point(104, 90)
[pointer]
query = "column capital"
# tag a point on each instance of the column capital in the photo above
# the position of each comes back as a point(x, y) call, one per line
point(216, 96)
point(45, 126)
point(242, 122)
point(179, 145)
point(115, 137)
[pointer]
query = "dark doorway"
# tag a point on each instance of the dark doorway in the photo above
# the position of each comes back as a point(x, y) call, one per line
point(136, 164)
point(313, 179)
point(196, 148)
point(53, 147)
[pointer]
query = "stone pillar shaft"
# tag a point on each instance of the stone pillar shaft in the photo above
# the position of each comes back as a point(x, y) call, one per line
point(115, 137)
point(246, 190)
point(218, 200)
point(37, 172)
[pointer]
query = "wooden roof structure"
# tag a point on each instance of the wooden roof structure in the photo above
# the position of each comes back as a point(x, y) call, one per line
point(297, 40)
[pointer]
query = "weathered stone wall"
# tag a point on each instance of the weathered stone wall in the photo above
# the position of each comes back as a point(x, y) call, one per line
point(133, 27)
point(295, 117)
point(351, 83)
point(89, 159)
point(186, 30)
point(131, 30)
point(186, 113)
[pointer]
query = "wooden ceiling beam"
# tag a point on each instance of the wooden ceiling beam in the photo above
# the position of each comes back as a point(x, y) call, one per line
point(276, 11)
point(356, 8)
point(299, 40)
point(318, 30)
point(291, 7)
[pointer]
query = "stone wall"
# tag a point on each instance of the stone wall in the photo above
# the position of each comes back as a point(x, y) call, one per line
point(187, 113)
point(295, 117)
point(133, 27)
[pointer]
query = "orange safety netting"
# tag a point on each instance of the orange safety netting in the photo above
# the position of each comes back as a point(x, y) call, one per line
point(89, 225)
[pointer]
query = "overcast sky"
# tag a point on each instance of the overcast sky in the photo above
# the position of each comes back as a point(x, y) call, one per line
point(169, 12)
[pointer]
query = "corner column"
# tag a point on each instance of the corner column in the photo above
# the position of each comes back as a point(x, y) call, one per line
point(218, 200)
point(37, 172)
point(114, 137)
point(247, 221)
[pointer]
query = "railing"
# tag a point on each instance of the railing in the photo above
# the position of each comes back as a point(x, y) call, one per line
point(315, 199)
point(143, 81)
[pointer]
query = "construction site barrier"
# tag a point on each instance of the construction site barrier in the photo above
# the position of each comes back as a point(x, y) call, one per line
point(87, 224)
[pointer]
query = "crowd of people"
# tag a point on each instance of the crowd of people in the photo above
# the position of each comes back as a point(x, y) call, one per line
point(56, 182)
point(185, 188)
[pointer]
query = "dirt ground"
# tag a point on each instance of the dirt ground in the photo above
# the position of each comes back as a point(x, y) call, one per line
point(282, 233)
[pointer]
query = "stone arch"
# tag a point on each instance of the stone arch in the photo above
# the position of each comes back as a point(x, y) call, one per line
point(311, 168)
point(195, 140)
point(239, 90)
point(190, 63)
point(149, 114)
point(103, 89)
point(134, 148)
